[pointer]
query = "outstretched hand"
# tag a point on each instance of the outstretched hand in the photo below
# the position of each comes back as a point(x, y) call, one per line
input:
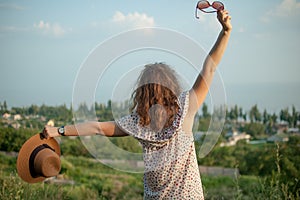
point(225, 19)
point(49, 132)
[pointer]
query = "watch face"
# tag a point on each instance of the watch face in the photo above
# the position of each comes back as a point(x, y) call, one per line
point(61, 130)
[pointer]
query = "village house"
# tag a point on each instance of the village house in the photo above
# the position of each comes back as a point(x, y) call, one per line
point(279, 137)
point(234, 137)
point(6, 116)
point(293, 130)
point(50, 122)
point(17, 117)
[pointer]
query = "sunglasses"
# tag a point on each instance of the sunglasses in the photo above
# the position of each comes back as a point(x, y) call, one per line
point(203, 5)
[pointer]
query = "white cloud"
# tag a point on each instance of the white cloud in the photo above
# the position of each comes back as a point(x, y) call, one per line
point(51, 29)
point(135, 20)
point(42, 25)
point(287, 8)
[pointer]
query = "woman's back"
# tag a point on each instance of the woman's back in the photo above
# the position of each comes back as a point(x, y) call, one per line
point(171, 169)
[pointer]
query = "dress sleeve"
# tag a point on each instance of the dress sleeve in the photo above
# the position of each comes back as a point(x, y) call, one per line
point(129, 124)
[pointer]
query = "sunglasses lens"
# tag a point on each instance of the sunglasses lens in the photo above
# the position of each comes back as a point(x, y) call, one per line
point(218, 5)
point(203, 4)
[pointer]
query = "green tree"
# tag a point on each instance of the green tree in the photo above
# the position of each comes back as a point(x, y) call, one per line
point(205, 113)
point(242, 115)
point(284, 115)
point(255, 129)
point(3, 107)
point(33, 110)
point(234, 113)
point(254, 114)
point(294, 117)
point(203, 124)
point(18, 110)
point(272, 119)
point(266, 117)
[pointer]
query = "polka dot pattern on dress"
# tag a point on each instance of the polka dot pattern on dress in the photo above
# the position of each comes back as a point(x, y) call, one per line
point(171, 169)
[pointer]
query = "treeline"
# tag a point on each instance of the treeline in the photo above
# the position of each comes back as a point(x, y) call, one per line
point(34, 116)
point(59, 113)
point(255, 122)
point(255, 115)
point(233, 114)
point(237, 114)
point(258, 123)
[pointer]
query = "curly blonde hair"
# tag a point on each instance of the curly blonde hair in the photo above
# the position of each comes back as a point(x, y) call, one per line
point(155, 99)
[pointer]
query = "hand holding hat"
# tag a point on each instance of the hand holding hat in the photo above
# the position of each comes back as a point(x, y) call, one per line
point(38, 159)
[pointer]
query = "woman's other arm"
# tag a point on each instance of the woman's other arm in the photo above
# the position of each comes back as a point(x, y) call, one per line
point(109, 129)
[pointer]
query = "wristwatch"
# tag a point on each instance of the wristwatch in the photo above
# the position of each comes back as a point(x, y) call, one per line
point(61, 130)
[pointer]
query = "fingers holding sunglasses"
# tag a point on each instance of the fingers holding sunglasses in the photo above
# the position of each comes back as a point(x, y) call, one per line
point(222, 14)
point(225, 19)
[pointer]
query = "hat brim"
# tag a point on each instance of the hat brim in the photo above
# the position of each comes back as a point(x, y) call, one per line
point(25, 152)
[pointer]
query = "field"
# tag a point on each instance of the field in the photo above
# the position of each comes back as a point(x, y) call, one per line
point(86, 179)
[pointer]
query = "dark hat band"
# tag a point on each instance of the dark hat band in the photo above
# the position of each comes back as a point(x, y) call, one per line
point(32, 157)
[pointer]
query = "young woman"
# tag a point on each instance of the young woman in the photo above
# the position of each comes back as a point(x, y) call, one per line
point(162, 119)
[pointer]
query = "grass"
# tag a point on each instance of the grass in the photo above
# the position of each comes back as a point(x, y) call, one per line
point(92, 181)
point(96, 181)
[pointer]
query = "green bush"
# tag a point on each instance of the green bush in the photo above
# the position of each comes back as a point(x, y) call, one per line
point(12, 187)
point(12, 139)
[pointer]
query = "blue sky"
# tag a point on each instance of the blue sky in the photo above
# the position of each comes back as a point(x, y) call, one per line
point(44, 43)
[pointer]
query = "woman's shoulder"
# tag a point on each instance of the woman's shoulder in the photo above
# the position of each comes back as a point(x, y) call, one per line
point(128, 123)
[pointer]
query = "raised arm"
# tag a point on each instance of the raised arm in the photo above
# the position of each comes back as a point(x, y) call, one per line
point(109, 129)
point(201, 86)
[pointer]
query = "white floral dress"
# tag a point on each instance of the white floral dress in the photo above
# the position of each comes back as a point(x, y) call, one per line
point(171, 169)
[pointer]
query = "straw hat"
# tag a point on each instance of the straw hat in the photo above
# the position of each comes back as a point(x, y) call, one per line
point(38, 159)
